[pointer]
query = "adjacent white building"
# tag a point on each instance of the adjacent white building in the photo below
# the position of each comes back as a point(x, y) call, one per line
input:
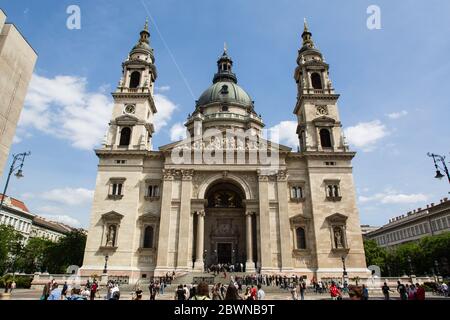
point(16, 214)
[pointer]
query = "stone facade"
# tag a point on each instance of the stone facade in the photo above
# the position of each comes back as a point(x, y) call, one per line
point(17, 60)
point(154, 214)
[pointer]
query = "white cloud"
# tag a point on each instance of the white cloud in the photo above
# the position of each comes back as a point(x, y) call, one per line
point(394, 198)
point(396, 115)
point(16, 139)
point(285, 133)
point(63, 107)
point(69, 196)
point(365, 135)
point(165, 109)
point(162, 88)
point(177, 132)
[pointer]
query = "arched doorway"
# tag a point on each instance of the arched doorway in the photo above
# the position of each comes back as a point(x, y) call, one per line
point(225, 224)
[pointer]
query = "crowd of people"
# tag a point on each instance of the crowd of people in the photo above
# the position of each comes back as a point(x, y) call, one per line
point(248, 287)
point(218, 291)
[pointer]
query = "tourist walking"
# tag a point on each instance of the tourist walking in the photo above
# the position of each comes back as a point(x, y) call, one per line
point(55, 294)
point(302, 289)
point(385, 288)
point(335, 293)
point(365, 292)
point(261, 294)
point(64, 290)
point(232, 293)
point(401, 289)
point(202, 292)
point(180, 294)
point(420, 292)
point(94, 288)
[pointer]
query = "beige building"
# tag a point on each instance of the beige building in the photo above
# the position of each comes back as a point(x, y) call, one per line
point(17, 60)
point(416, 224)
point(216, 197)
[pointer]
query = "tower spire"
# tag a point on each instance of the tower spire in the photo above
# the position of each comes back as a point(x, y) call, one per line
point(307, 36)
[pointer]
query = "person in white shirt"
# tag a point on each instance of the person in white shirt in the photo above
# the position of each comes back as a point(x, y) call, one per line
point(261, 294)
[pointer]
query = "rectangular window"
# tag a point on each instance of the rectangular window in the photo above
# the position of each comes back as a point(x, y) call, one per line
point(439, 224)
point(421, 229)
point(116, 189)
point(153, 191)
point(444, 223)
point(333, 191)
point(433, 226)
point(296, 192)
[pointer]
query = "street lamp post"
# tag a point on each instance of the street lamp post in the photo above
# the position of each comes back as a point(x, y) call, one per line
point(19, 174)
point(436, 268)
point(436, 159)
point(105, 269)
point(411, 271)
point(344, 273)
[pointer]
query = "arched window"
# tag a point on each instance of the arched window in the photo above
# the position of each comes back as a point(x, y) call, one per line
point(135, 79)
point(148, 237)
point(125, 136)
point(316, 81)
point(301, 238)
point(325, 138)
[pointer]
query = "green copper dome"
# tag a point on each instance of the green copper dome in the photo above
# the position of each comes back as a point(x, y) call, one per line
point(225, 91)
point(224, 87)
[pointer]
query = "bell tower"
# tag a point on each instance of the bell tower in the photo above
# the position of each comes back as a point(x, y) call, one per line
point(131, 126)
point(319, 127)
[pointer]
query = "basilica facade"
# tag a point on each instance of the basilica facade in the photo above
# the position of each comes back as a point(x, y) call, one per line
point(224, 194)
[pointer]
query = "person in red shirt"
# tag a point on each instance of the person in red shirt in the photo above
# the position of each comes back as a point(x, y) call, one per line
point(420, 293)
point(253, 293)
point(335, 292)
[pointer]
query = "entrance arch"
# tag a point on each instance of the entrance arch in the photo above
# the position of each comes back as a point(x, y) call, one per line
point(224, 230)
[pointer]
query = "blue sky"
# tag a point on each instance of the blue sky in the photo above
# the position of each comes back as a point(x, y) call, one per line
point(393, 84)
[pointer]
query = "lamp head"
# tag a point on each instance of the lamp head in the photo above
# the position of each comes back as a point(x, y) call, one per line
point(439, 175)
point(19, 174)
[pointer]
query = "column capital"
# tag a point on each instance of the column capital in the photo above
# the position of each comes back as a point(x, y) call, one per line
point(200, 213)
point(187, 174)
point(282, 175)
point(250, 213)
point(168, 174)
point(262, 176)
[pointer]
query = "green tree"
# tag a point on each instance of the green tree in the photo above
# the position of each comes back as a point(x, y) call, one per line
point(34, 256)
point(69, 250)
point(374, 254)
point(11, 246)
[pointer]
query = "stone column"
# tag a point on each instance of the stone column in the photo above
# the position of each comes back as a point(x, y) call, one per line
point(285, 232)
point(185, 216)
point(249, 265)
point(199, 264)
point(164, 225)
point(264, 236)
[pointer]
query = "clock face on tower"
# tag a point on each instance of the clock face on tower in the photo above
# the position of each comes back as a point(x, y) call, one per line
point(131, 109)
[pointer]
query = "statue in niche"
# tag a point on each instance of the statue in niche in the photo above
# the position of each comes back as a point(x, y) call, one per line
point(231, 200)
point(217, 200)
point(338, 238)
point(111, 236)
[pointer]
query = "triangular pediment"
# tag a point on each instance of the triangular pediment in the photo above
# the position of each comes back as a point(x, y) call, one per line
point(299, 219)
point(324, 119)
point(112, 215)
point(126, 119)
point(337, 217)
point(149, 216)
